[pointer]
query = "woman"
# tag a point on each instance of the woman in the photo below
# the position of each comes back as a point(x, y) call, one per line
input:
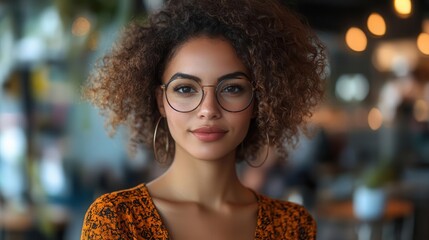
point(208, 83)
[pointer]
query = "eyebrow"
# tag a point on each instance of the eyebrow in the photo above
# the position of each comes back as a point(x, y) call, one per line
point(233, 75)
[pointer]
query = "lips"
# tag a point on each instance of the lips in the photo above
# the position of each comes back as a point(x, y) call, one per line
point(209, 134)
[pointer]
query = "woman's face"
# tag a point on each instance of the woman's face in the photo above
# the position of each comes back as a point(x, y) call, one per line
point(203, 129)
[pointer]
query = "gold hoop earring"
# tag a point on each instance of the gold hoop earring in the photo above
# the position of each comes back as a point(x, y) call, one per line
point(266, 154)
point(155, 132)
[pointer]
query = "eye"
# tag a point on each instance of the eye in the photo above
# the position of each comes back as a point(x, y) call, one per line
point(231, 89)
point(185, 89)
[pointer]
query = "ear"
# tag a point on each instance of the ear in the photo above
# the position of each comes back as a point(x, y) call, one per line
point(160, 101)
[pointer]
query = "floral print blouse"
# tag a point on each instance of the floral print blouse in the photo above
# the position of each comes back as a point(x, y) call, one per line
point(131, 214)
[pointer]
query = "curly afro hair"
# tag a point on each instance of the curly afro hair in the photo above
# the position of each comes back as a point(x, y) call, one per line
point(284, 56)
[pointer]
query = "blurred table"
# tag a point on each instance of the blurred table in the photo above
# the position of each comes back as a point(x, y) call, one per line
point(395, 210)
point(15, 224)
point(19, 223)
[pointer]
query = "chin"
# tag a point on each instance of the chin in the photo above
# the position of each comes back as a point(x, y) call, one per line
point(211, 154)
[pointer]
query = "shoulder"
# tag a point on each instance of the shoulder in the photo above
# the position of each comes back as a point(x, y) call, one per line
point(286, 209)
point(289, 219)
point(126, 196)
point(123, 213)
point(120, 202)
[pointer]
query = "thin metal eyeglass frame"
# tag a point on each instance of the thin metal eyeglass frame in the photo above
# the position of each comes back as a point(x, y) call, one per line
point(164, 87)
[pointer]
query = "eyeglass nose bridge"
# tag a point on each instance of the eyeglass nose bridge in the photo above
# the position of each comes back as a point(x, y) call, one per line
point(204, 94)
point(211, 85)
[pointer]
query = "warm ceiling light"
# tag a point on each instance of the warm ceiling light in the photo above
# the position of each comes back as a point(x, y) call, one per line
point(403, 7)
point(423, 43)
point(376, 24)
point(356, 39)
point(375, 119)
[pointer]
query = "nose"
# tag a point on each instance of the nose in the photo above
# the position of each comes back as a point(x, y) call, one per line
point(209, 107)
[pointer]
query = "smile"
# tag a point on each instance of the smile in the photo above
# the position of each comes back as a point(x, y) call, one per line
point(209, 134)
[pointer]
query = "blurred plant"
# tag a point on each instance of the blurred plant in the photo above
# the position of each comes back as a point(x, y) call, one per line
point(88, 25)
point(379, 175)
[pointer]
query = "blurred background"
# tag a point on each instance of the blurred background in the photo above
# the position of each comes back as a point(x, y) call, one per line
point(363, 173)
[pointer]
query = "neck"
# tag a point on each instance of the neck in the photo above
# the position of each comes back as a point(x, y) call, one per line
point(209, 182)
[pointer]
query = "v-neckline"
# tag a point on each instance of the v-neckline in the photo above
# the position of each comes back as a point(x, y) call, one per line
point(164, 228)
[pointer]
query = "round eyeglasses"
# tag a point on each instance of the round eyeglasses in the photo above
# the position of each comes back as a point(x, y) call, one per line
point(185, 95)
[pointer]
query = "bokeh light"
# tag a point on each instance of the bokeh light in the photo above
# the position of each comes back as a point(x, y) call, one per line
point(403, 7)
point(352, 87)
point(376, 24)
point(81, 26)
point(375, 119)
point(398, 56)
point(356, 39)
point(423, 43)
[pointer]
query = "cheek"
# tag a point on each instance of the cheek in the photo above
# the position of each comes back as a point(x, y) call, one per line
point(176, 121)
point(243, 120)
point(169, 112)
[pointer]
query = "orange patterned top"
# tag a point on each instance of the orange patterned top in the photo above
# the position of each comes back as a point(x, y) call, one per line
point(131, 214)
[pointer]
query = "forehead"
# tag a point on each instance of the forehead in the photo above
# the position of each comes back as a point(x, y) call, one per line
point(204, 57)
